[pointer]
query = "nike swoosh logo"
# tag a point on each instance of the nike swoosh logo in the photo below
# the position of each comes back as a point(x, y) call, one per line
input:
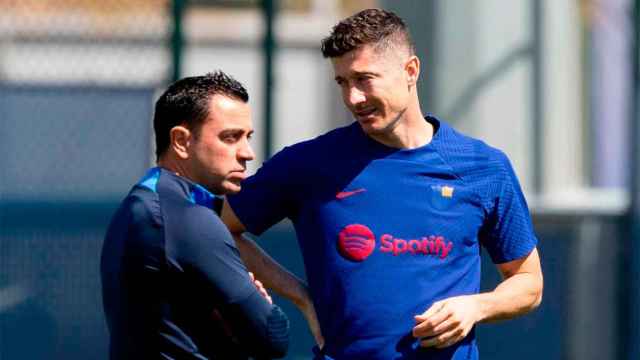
point(345, 194)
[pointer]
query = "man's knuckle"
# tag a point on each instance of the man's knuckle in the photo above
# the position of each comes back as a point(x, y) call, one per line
point(429, 324)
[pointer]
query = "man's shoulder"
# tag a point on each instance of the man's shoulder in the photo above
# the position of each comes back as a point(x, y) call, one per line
point(468, 155)
point(456, 141)
point(188, 220)
point(301, 156)
point(321, 143)
point(136, 224)
point(197, 231)
point(140, 205)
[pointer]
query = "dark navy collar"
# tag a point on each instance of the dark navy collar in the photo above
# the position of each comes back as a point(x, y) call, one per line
point(197, 194)
point(201, 196)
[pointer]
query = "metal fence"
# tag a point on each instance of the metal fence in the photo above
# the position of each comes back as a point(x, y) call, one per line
point(77, 80)
point(77, 84)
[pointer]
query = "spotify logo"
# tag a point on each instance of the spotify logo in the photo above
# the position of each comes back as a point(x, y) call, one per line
point(356, 242)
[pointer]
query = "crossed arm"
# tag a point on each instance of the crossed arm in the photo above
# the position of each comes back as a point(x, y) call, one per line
point(448, 321)
point(272, 274)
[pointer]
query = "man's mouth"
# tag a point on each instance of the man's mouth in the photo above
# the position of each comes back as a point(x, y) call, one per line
point(238, 175)
point(365, 112)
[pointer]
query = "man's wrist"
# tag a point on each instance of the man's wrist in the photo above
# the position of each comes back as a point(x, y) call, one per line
point(483, 305)
point(300, 296)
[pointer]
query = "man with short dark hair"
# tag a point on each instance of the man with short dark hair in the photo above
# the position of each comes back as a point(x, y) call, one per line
point(174, 286)
point(390, 213)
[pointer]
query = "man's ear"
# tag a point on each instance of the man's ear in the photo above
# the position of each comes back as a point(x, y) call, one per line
point(179, 141)
point(412, 69)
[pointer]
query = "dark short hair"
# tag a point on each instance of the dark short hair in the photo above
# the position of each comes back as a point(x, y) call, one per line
point(372, 26)
point(186, 102)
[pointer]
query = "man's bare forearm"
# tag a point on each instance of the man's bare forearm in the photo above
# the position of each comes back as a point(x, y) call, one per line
point(280, 280)
point(515, 296)
point(519, 292)
point(270, 272)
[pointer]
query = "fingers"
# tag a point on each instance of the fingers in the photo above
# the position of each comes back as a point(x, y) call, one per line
point(435, 308)
point(432, 322)
point(263, 291)
point(445, 339)
point(260, 288)
point(446, 322)
point(443, 327)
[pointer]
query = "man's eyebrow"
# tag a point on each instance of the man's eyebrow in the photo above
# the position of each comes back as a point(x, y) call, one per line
point(357, 73)
point(231, 130)
point(235, 131)
point(365, 73)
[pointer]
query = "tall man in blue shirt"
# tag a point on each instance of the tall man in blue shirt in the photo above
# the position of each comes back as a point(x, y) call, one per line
point(174, 286)
point(390, 213)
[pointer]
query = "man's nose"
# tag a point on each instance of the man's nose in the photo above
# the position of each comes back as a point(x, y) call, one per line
point(354, 96)
point(246, 152)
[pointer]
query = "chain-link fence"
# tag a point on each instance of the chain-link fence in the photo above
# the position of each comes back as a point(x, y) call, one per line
point(77, 85)
point(77, 80)
point(111, 42)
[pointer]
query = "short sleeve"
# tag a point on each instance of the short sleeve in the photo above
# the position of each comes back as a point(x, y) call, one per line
point(507, 233)
point(269, 195)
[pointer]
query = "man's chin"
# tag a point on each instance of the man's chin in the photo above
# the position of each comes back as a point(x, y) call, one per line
point(371, 127)
point(232, 187)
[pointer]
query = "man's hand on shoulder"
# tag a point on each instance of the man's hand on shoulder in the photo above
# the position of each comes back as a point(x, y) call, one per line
point(447, 321)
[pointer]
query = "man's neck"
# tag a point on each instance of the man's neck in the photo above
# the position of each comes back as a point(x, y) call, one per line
point(169, 164)
point(410, 131)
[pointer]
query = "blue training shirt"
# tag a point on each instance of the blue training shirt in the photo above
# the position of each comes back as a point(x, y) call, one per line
point(386, 232)
point(174, 286)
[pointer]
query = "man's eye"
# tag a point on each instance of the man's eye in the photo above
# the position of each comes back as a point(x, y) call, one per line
point(229, 139)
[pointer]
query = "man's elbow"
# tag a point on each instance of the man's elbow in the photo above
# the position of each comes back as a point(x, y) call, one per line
point(277, 349)
point(276, 341)
point(529, 300)
point(536, 294)
point(538, 300)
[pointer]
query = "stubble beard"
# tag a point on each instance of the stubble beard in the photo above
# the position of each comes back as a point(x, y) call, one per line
point(388, 129)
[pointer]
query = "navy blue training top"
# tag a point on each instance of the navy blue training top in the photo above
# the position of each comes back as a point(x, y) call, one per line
point(386, 232)
point(173, 283)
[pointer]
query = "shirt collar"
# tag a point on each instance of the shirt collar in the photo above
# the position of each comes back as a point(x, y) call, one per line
point(201, 196)
point(196, 193)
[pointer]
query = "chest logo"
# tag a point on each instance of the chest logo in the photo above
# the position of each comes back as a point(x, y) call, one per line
point(446, 191)
point(356, 242)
